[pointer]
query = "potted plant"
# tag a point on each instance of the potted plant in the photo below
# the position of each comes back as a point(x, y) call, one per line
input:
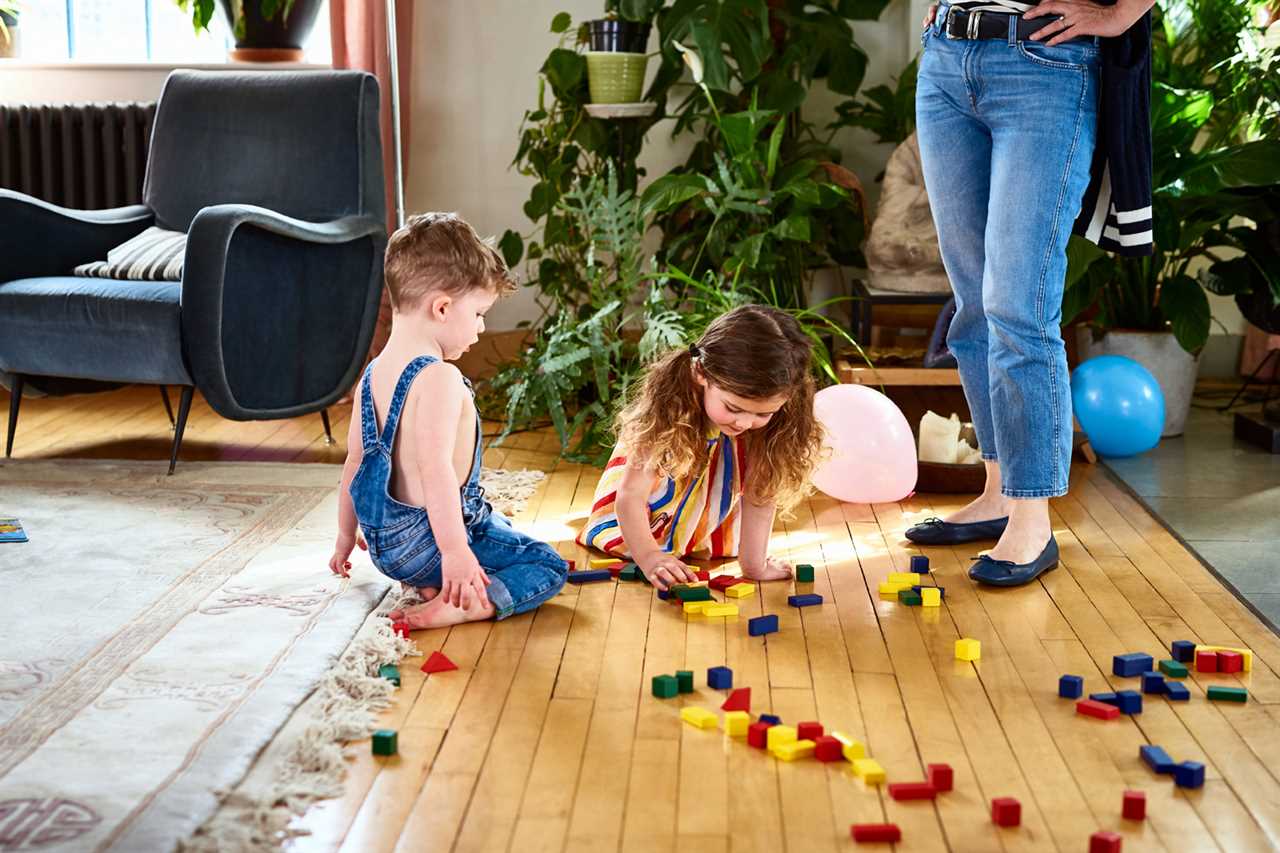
point(264, 30)
point(9, 28)
point(616, 58)
point(1216, 173)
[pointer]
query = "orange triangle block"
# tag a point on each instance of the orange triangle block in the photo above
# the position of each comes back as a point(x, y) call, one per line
point(438, 663)
point(739, 700)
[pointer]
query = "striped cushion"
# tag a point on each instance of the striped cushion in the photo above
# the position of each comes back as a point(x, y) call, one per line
point(153, 255)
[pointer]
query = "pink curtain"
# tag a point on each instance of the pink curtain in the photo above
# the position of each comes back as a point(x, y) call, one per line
point(359, 39)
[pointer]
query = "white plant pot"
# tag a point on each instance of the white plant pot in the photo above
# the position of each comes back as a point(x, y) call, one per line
point(1159, 352)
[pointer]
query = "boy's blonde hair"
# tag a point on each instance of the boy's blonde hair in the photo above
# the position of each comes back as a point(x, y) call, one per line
point(441, 252)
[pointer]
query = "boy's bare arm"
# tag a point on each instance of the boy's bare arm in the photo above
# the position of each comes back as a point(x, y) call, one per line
point(348, 536)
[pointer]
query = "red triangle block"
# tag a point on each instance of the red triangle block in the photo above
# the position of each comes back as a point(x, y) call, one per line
point(438, 663)
point(739, 700)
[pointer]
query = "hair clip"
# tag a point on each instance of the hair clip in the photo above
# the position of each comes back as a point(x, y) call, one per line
point(694, 351)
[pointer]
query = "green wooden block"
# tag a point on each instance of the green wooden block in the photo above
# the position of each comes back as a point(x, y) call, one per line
point(1173, 669)
point(909, 596)
point(804, 573)
point(384, 742)
point(1229, 694)
point(665, 686)
point(693, 593)
point(684, 678)
point(630, 573)
point(390, 672)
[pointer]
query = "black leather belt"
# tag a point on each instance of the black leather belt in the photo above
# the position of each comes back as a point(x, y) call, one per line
point(965, 24)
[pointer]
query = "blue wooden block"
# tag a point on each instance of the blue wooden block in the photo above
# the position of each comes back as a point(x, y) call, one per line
point(1157, 759)
point(719, 678)
point(1183, 651)
point(1129, 701)
point(1152, 682)
point(664, 594)
point(919, 564)
point(806, 600)
point(1070, 686)
point(770, 719)
point(1189, 774)
point(589, 576)
point(762, 625)
point(1129, 665)
point(1176, 691)
point(1109, 698)
point(942, 590)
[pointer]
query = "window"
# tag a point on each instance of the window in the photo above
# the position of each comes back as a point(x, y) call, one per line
point(135, 31)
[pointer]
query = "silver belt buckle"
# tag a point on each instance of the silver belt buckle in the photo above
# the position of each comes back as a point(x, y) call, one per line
point(972, 30)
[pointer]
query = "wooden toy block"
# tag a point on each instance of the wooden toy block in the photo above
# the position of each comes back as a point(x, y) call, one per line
point(1134, 806)
point(702, 575)
point(719, 609)
point(930, 596)
point(1105, 842)
point(968, 649)
point(1093, 708)
point(828, 748)
point(1206, 661)
point(384, 742)
point(438, 662)
point(630, 572)
point(1176, 692)
point(692, 593)
point(719, 678)
point(758, 734)
point(1152, 682)
point(739, 700)
point(401, 629)
point(1189, 774)
point(940, 776)
point(1230, 662)
point(1245, 654)
point(910, 598)
point(741, 590)
point(850, 747)
point(1129, 701)
point(664, 595)
point(903, 578)
point(942, 590)
point(699, 718)
point(771, 719)
point(911, 791)
point(871, 833)
point(665, 686)
point(608, 563)
point(919, 563)
point(809, 731)
point(891, 588)
point(807, 600)
point(804, 573)
point(1183, 651)
point(1108, 698)
point(1071, 686)
point(590, 577)
point(736, 723)
point(1006, 811)
point(1156, 758)
point(779, 735)
point(616, 571)
point(1228, 694)
point(1131, 664)
point(723, 582)
point(869, 771)
point(571, 563)
point(695, 607)
point(794, 750)
point(762, 625)
point(684, 680)
point(390, 672)
point(1173, 669)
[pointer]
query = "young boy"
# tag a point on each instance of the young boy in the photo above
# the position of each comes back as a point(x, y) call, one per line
point(418, 499)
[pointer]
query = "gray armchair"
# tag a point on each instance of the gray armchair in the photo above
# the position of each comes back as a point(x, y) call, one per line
point(277, 179)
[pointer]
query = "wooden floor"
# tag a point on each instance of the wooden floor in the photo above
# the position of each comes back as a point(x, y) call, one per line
point(547, 738)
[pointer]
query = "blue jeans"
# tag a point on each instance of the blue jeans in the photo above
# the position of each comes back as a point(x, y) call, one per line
point(1006, 131)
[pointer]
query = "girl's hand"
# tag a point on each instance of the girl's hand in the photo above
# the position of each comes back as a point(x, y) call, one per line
point(338, 563)
point(663, 570)
point(464, 580)
point(929, 15)
point(772, 569)
point(1083, 18)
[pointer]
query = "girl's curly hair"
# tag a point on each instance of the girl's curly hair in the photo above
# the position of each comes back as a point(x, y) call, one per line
point(756, 352)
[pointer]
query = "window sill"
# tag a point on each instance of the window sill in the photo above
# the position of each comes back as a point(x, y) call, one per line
point(100, 65)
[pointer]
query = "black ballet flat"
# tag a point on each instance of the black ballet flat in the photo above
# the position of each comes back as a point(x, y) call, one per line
point(935, 531)
point(1008, 573)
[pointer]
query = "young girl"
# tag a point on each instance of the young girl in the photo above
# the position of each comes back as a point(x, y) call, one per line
point(718, 437)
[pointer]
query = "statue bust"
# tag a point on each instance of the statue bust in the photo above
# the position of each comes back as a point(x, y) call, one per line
point(902, 248)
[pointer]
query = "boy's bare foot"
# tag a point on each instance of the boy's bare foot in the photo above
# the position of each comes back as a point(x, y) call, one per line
point(426, 593)
point(438, 613)
point(772, 570)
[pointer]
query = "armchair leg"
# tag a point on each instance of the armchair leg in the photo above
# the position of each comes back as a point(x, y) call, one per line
point(328, 433)
point(15, 399)
point(168, 407)
point(184, 407)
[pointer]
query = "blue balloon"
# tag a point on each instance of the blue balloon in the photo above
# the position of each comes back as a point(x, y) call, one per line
point(1119, 405)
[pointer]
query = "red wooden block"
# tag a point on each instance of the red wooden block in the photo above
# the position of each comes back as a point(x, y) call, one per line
point(723, 582)
point(1093, 708)
point(438, 663)
point(739, 700)
point(703, 575)
point(401, 628)
point(911, 791)
point(1206, 661)
point(617, 570)
point(940, 777)
point(572, 565)
point(1006, 811)
point(808, 731)
point(876, 832)
point(758, 735)
point(827, 748)
point(1135, 805)
point(1104, 842)
point(1230, 662)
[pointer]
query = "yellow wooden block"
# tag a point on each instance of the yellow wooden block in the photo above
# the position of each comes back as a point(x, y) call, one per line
point(696, 606)
point(795, 749)
point(852, 748)
point(1244, 653)
point(909, 579)
point(930, 596)
point(736, 722)
point(892, 588)
point(607, 563)
point(717, 609)
point(778, 735)
point(968, 649)
point(741, 590)
point(869, 771)
point(698, 717)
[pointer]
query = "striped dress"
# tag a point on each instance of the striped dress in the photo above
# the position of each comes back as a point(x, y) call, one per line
point(697, 517)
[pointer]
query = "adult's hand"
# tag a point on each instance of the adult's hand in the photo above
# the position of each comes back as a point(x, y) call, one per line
point(929, 15)
point(1085, 18)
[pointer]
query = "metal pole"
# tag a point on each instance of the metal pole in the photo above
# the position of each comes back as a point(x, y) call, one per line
point(394, 56)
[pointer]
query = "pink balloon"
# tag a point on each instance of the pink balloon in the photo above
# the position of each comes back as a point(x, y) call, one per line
point(870, 453)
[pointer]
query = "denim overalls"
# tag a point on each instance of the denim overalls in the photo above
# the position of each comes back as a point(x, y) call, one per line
point(523, 571)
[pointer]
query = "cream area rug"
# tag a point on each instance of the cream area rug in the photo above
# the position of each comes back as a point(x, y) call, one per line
point(155, 634)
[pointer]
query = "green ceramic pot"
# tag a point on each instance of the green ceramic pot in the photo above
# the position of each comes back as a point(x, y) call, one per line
point(615, 78)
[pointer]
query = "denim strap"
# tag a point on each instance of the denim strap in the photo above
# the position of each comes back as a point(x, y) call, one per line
point(411, 371)
point(368, 418)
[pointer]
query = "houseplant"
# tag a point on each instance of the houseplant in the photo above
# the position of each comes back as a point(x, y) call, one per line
point(264, 30)
point(1216, 173)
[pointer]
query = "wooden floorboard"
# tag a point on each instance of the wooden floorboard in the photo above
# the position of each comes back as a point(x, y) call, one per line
point(547, 737)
